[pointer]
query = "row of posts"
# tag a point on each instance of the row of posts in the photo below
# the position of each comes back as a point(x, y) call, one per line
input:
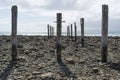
point(104, 41)
point(50, 31)
point(59, 27)
point(70, 31)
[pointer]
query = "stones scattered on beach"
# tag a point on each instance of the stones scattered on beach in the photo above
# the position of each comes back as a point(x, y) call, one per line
point(36, 59)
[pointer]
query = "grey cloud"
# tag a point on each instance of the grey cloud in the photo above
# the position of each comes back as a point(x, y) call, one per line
point(61, 4)
point(68, 4)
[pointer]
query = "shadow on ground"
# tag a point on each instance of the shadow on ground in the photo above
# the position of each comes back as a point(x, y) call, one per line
point(66, 70)
point(115, 66)
point(6, 72)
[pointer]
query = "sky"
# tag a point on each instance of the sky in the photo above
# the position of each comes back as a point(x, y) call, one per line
point(34, 15)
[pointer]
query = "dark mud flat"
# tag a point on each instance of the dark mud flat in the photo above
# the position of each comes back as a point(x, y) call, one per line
point(37, 59)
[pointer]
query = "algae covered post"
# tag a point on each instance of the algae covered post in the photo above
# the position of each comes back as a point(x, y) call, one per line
point(104, 32)
point(82, 31)
point(59, 26)
point(14, 33)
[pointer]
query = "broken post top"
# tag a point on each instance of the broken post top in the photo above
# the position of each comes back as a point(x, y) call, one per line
point(59, 16)
point(75, 23)
point(105, 9)
point(14, 8)
point(82, 19)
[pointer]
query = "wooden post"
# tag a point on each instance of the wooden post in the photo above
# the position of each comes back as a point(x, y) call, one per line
point(50, 31)
point(48, 27)
point(53, 30)
point(104, 32)
point(68, 31)
point(14, 33)
point(82, 31)
point(59, 26)
point(75, 31)
point(71, 32)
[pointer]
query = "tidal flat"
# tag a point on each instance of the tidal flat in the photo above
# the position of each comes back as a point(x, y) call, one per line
point(36, 59)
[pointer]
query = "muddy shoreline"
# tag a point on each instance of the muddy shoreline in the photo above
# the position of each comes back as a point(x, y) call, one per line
point(37, 59)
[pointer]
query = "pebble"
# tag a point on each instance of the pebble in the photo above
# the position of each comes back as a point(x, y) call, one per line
point(70, 60)
point(36, 73)
point(95, 70)
point(49, 74)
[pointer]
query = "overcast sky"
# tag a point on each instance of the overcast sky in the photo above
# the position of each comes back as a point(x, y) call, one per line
point(34, 15)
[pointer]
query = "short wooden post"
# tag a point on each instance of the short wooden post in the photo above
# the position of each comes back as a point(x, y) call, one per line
point(82, 31)
point(14, 33)
point(50, 31)
point(75, 31)
point(68, 31)
point(53, 30)
point(48, 27)
point(71, 32)
point(104, 32)
point(59, 26)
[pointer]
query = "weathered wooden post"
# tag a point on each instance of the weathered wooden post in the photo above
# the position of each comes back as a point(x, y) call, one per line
point(75, 31)
point(50, 31)
point(68, 31)
point(14, 33)
point(53, 30)
point(71, 32)
point(59, 26)
point(104, 32)
point(48, 27)
point(82, 31)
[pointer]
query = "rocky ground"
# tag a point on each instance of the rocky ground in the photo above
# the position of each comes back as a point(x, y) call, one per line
point(36, 59)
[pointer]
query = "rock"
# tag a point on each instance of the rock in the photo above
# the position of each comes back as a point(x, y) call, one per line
point(30, 77)
point(104, 77)
point(39, 56)
point(95, 70)
point(82, 61)
point(21, 58)
point(26, 51)
point(49, 74)
point(70, 60)
point(19, 46)
point(36, 73)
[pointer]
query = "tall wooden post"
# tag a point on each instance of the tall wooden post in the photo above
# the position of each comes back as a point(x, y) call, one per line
point(59, 26)
point(82, 31)
point(48, 27)
point(14, 33)
point(75, 31)
point(71, 32)
point(104, 32)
